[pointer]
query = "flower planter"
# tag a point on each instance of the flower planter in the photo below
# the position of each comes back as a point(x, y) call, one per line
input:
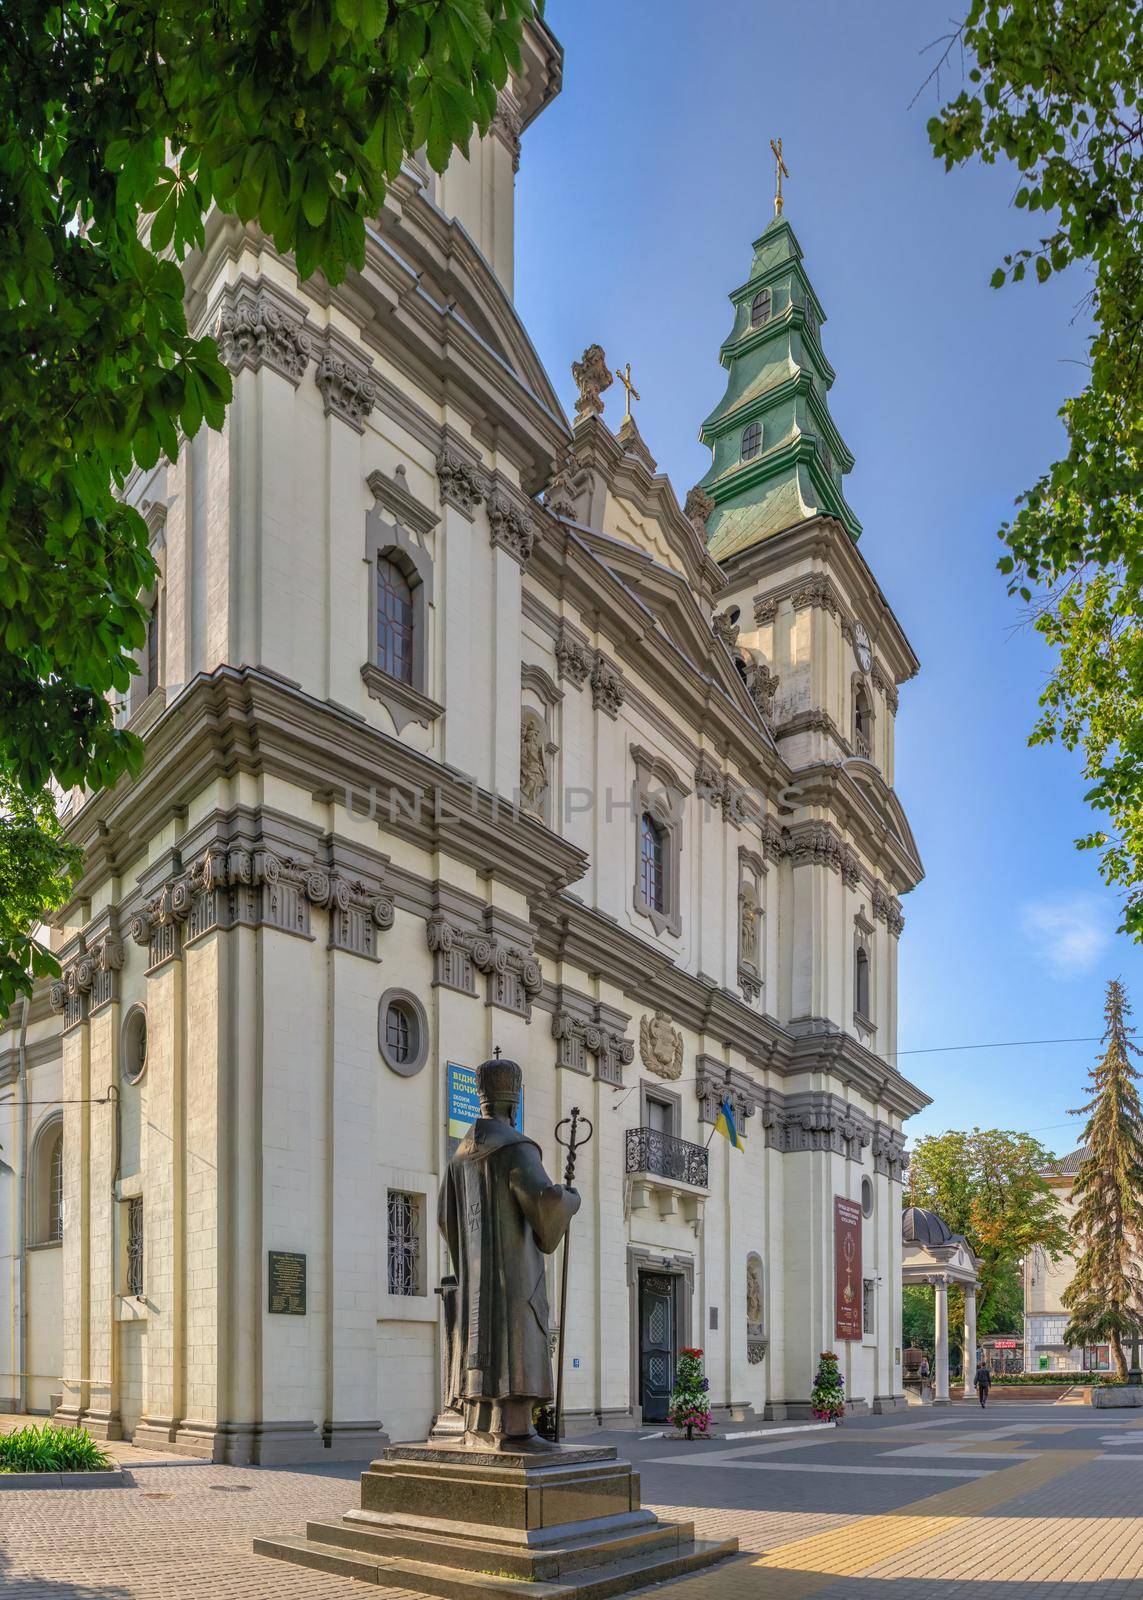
point(112, 1478)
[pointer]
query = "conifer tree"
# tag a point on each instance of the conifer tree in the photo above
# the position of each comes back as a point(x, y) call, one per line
point(1105, 1298)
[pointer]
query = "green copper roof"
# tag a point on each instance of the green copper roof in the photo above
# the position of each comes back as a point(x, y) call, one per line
point(778, 380)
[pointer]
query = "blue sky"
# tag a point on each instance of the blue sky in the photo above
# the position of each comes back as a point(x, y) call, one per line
point(640, 192)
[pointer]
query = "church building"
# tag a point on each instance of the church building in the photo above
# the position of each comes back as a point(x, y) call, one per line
point(464, 733)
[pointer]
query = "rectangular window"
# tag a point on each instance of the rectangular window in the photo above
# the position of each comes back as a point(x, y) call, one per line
point(394, 621)
point(135, 1247)
point(404, 1242)
point(660, 1115)
point(868, 1305)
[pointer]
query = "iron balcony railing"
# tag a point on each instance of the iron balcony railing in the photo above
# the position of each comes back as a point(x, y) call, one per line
point(649, 1150)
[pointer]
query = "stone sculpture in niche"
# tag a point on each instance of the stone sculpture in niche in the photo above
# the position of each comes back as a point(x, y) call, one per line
point(748, 928)
point(533, 764)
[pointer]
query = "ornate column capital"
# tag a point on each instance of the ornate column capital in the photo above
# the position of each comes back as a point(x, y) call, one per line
point(347, 389)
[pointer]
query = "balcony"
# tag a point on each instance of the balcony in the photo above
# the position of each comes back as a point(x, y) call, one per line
point(661, 1155)
point(666, 1173)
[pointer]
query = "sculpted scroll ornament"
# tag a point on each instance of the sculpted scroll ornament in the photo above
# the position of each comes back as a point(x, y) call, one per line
point(607, 688)
point(697, 509)
point(559, 496)
point(660, 1046)
point(725, 629)
point(592, 376)
point(254, 332)
point(461, 484)
point(511, 526)
point(573, 659)
point(347, 390)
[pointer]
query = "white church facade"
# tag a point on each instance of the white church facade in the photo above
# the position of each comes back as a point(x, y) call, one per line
point(463, 733)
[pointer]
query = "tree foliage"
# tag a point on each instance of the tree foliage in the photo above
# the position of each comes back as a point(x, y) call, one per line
point(36, 867)
point(1057, 89)
point(987, 1185)
point(1105, 1296)
point(121, 128)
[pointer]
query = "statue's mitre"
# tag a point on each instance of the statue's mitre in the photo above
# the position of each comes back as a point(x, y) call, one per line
point(499, 1080)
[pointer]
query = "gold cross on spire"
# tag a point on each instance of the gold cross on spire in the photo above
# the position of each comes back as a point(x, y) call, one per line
point(780, 171)
point(632, 393)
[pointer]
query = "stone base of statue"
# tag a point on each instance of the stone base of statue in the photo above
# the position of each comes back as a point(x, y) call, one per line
point(464, 1521)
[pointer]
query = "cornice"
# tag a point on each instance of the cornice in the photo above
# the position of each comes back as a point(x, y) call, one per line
point(573, 932)
point(249, 720)
point(574, 575)
point(252, 866)
point(823, 538)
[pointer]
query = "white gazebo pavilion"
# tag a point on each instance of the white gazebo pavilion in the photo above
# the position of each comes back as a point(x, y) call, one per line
point(933, 1254)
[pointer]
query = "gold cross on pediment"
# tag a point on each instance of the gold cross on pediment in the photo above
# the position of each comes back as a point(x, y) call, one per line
point(780, 171)
point(632, 393)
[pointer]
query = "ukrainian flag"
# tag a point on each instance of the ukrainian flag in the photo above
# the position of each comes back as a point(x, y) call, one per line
point(728, 1127)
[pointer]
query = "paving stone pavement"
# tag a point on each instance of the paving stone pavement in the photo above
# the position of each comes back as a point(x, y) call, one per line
point(1051, 1512)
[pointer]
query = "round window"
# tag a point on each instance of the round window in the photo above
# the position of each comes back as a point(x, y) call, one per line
point(135, 1044)
point(867, 1197)
point(402, 1032)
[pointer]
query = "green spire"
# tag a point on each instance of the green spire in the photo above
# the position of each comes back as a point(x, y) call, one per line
point(778, 457)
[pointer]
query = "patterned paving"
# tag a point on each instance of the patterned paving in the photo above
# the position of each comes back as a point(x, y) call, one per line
point(1051, 1513)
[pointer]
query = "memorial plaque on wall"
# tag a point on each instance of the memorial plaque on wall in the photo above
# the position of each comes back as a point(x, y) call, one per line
point(288, 1282)
point(847, 1268)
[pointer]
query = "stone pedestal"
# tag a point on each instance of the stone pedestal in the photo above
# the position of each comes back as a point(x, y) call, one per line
point(451, 1521)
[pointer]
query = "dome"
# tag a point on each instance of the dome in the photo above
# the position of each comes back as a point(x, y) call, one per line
point(924, 1228)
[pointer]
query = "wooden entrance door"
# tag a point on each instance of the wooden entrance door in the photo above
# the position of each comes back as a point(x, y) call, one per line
point(658, 1348)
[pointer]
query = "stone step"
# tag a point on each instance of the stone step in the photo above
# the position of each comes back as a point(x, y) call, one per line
point(492, 1555)
point(592, 1583)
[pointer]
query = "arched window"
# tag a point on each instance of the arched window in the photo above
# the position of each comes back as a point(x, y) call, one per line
point(862, 722)
point(760, 308)
point(46, 1171)
point(653, 862)
point(55, 1189)
point(861, 982)
point(751, 440)
point(395, 634)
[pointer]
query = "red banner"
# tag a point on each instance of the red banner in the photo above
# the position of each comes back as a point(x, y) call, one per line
point(847, 1268)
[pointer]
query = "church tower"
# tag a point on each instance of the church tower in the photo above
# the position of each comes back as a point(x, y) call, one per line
point(778, 455)
point(814, 631)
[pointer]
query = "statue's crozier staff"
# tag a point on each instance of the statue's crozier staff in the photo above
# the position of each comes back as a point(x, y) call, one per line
point(501, 1215)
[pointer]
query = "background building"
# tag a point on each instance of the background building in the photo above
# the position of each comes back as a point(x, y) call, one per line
point(1045, 1316)
point(462, 732)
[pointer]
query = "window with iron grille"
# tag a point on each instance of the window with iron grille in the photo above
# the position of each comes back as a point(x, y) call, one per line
point(751, 440)
point(55, 1191)
point(394, 621)
point(868, 1305)
point(760, 308)
point(652, 863)
point(404, 1242)
point(135, 1247)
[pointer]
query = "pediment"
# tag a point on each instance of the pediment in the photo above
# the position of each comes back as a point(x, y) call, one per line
point(670, 601)
point(886, 805)
point(452, 270)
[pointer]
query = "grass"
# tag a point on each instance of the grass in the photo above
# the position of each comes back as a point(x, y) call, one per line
point(51, 1449)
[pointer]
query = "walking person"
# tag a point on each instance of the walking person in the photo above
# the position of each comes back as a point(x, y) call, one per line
point(983, 1382)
